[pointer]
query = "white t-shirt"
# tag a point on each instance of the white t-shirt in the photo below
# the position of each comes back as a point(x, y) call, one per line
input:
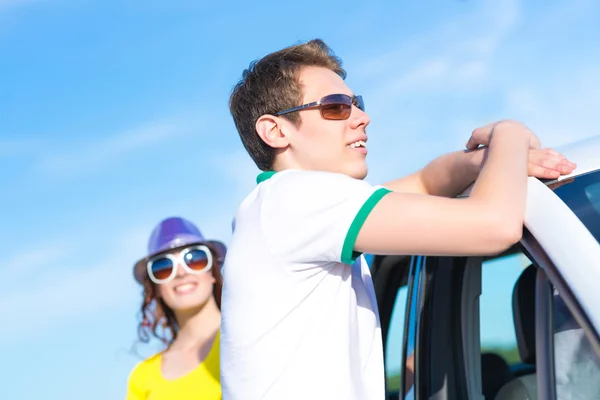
point(299, 315)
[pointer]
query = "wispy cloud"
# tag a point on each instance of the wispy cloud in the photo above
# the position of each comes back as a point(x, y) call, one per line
point(415, 81)
point(564, 112)
point(94, 154)
point(35, 256)
point(460, 55)
point(448, 57)
point(64, 289)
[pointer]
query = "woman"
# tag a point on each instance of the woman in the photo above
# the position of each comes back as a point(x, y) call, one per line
point(181, 307)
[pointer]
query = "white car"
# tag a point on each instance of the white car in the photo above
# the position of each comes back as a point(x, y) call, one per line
point(521, 325)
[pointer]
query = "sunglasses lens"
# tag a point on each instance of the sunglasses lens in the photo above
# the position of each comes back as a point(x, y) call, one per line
point(196, 259)
point(161, 268)
point(336, 111)
point(336, 107)
point(359, 102)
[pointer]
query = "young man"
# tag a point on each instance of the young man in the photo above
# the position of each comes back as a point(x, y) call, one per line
point(299, 316)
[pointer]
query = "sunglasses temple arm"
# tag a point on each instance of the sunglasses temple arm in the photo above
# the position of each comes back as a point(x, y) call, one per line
point(302, 107)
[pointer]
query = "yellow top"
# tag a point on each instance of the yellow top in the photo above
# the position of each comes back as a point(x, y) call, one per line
point(147, 383)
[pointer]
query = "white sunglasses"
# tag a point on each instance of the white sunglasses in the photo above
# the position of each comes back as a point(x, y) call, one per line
point(194, 259)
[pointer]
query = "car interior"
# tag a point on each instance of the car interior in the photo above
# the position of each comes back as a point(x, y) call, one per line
point(499, 380)
point(467, 368)
point(521, 382)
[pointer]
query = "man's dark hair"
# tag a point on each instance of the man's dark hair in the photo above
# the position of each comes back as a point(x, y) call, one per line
point(271, 84)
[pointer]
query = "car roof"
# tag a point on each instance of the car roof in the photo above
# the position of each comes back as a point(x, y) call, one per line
point(585, 153)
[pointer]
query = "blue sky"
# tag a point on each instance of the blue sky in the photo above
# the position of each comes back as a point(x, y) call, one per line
point(113, 116)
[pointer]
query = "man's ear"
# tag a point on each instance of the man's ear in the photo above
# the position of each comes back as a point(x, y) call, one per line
point(270, 130)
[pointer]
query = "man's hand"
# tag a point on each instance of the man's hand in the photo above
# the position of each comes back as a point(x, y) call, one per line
point(483, 135)
point(548, 164)
point(449, 174)
point(543, 163)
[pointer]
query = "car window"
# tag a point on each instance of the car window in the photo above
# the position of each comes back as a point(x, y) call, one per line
point(576, 364)
point(497, 329)
point(592, 192)
point(507, 326)
point(582, 195)
point(395, 341)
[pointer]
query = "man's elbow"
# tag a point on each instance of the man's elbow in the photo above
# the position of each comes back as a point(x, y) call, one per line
point(505, 232)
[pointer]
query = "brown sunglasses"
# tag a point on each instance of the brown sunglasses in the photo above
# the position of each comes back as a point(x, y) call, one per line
point(333, 107)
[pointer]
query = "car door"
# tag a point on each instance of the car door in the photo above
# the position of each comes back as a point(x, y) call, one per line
point(450, 303)
point(443, 354)
point(409, 372)
point(390, 279)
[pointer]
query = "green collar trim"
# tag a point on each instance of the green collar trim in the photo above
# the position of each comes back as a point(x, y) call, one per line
point(263, 176)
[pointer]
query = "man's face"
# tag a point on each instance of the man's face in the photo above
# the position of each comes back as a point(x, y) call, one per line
point(327, 145)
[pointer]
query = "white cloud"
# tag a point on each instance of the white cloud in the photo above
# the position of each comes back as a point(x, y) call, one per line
point(461, 55)
point(456, 56)
point(564, 112)
point(32, 257)
point(563, 15)
point(415, 81)
point(64, 289)
point(90, 155)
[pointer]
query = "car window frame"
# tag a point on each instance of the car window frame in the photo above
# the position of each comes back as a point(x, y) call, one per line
point(412, 323)
point(439, 356)
point(548, 276)
point(388, 282)
point(471, 290)
point(537, 253)
point(544, 343)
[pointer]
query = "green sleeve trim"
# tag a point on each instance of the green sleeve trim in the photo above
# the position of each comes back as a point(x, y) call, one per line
point(348, 253)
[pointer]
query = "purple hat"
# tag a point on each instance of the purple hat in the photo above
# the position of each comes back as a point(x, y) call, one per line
point(174, 233)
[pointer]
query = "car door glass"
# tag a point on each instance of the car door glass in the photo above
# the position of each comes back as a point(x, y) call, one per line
point(500, 358)
point(576, 364)
point(592, 192)
point(582, 196)
point(497, 330)
point(395, 341)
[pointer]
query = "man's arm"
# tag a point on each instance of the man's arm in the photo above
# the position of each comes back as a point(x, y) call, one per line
point(447, 175)
point(487, 222)
point(450, 174)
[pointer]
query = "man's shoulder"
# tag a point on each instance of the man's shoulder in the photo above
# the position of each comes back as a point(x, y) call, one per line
point(291, 193)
